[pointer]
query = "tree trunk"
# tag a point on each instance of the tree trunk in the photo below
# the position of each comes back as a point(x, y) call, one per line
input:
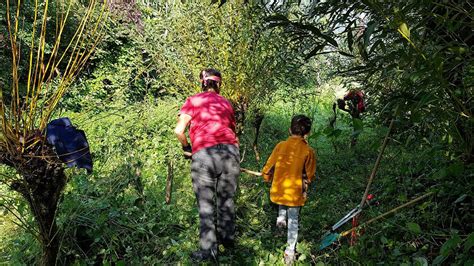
point(257, 123)
point(50, 248)
point(42, 183)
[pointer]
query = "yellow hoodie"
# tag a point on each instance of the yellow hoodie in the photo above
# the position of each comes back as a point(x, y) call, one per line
point(289, 162)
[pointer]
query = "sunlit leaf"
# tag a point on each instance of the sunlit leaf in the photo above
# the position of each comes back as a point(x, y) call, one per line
point(403, 29)
point(302, 257)
point(463, 114)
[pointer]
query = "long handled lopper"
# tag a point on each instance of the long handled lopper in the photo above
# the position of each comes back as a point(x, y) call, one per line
point(350, 215)
point(330, 238)
point(357, 210)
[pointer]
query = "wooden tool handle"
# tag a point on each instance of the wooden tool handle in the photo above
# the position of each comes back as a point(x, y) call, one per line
point(250, 172)
point(376, 166)
point(387, 213)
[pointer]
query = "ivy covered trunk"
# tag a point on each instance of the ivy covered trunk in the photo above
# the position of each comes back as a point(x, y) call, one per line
point(42, 181)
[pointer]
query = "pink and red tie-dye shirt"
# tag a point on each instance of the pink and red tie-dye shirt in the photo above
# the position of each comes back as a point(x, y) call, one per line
point(212, 120)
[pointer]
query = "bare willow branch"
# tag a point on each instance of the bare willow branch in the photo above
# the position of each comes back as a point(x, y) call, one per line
point(23, 223)
point(56, 49)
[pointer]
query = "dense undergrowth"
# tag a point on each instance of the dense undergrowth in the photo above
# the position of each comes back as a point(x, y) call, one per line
point(118, 214)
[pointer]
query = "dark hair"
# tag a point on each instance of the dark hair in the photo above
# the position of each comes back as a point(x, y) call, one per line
point(300, 125)
point(210, 84)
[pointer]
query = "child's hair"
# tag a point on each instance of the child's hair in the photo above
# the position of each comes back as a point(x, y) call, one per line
point(300, 125)
point(210, 79)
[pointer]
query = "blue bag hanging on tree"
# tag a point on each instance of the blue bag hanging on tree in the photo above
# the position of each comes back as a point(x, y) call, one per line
point(70, 143)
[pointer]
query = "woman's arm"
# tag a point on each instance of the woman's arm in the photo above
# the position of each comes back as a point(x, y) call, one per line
point(183, 122)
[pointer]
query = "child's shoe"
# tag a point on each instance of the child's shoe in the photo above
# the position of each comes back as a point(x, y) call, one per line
point(290, 257)
point(281, 222)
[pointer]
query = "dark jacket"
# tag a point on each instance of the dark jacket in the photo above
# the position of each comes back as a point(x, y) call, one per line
point(70, 143)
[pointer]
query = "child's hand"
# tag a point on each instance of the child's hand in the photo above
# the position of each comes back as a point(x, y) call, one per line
point(305, 187)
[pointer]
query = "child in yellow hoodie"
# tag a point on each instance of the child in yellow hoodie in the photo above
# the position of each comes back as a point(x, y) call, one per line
point(291, 167)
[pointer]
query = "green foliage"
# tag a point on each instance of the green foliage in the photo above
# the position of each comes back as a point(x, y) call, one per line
point(429, 78)
point(414, 227)
point(44, 57)
point(163, 53)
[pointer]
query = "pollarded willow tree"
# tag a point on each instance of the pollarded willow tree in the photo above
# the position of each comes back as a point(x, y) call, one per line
point(48, 43)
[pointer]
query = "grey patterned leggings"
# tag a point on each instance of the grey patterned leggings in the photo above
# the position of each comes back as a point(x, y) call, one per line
point(292, 213)
point(214, 171)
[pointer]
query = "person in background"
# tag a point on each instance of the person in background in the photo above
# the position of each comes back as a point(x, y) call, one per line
point(353, 103)
point(354, 100)
point(215, 163)
point(290, 168)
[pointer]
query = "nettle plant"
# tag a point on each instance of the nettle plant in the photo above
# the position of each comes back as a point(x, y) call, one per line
point(48, 44)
